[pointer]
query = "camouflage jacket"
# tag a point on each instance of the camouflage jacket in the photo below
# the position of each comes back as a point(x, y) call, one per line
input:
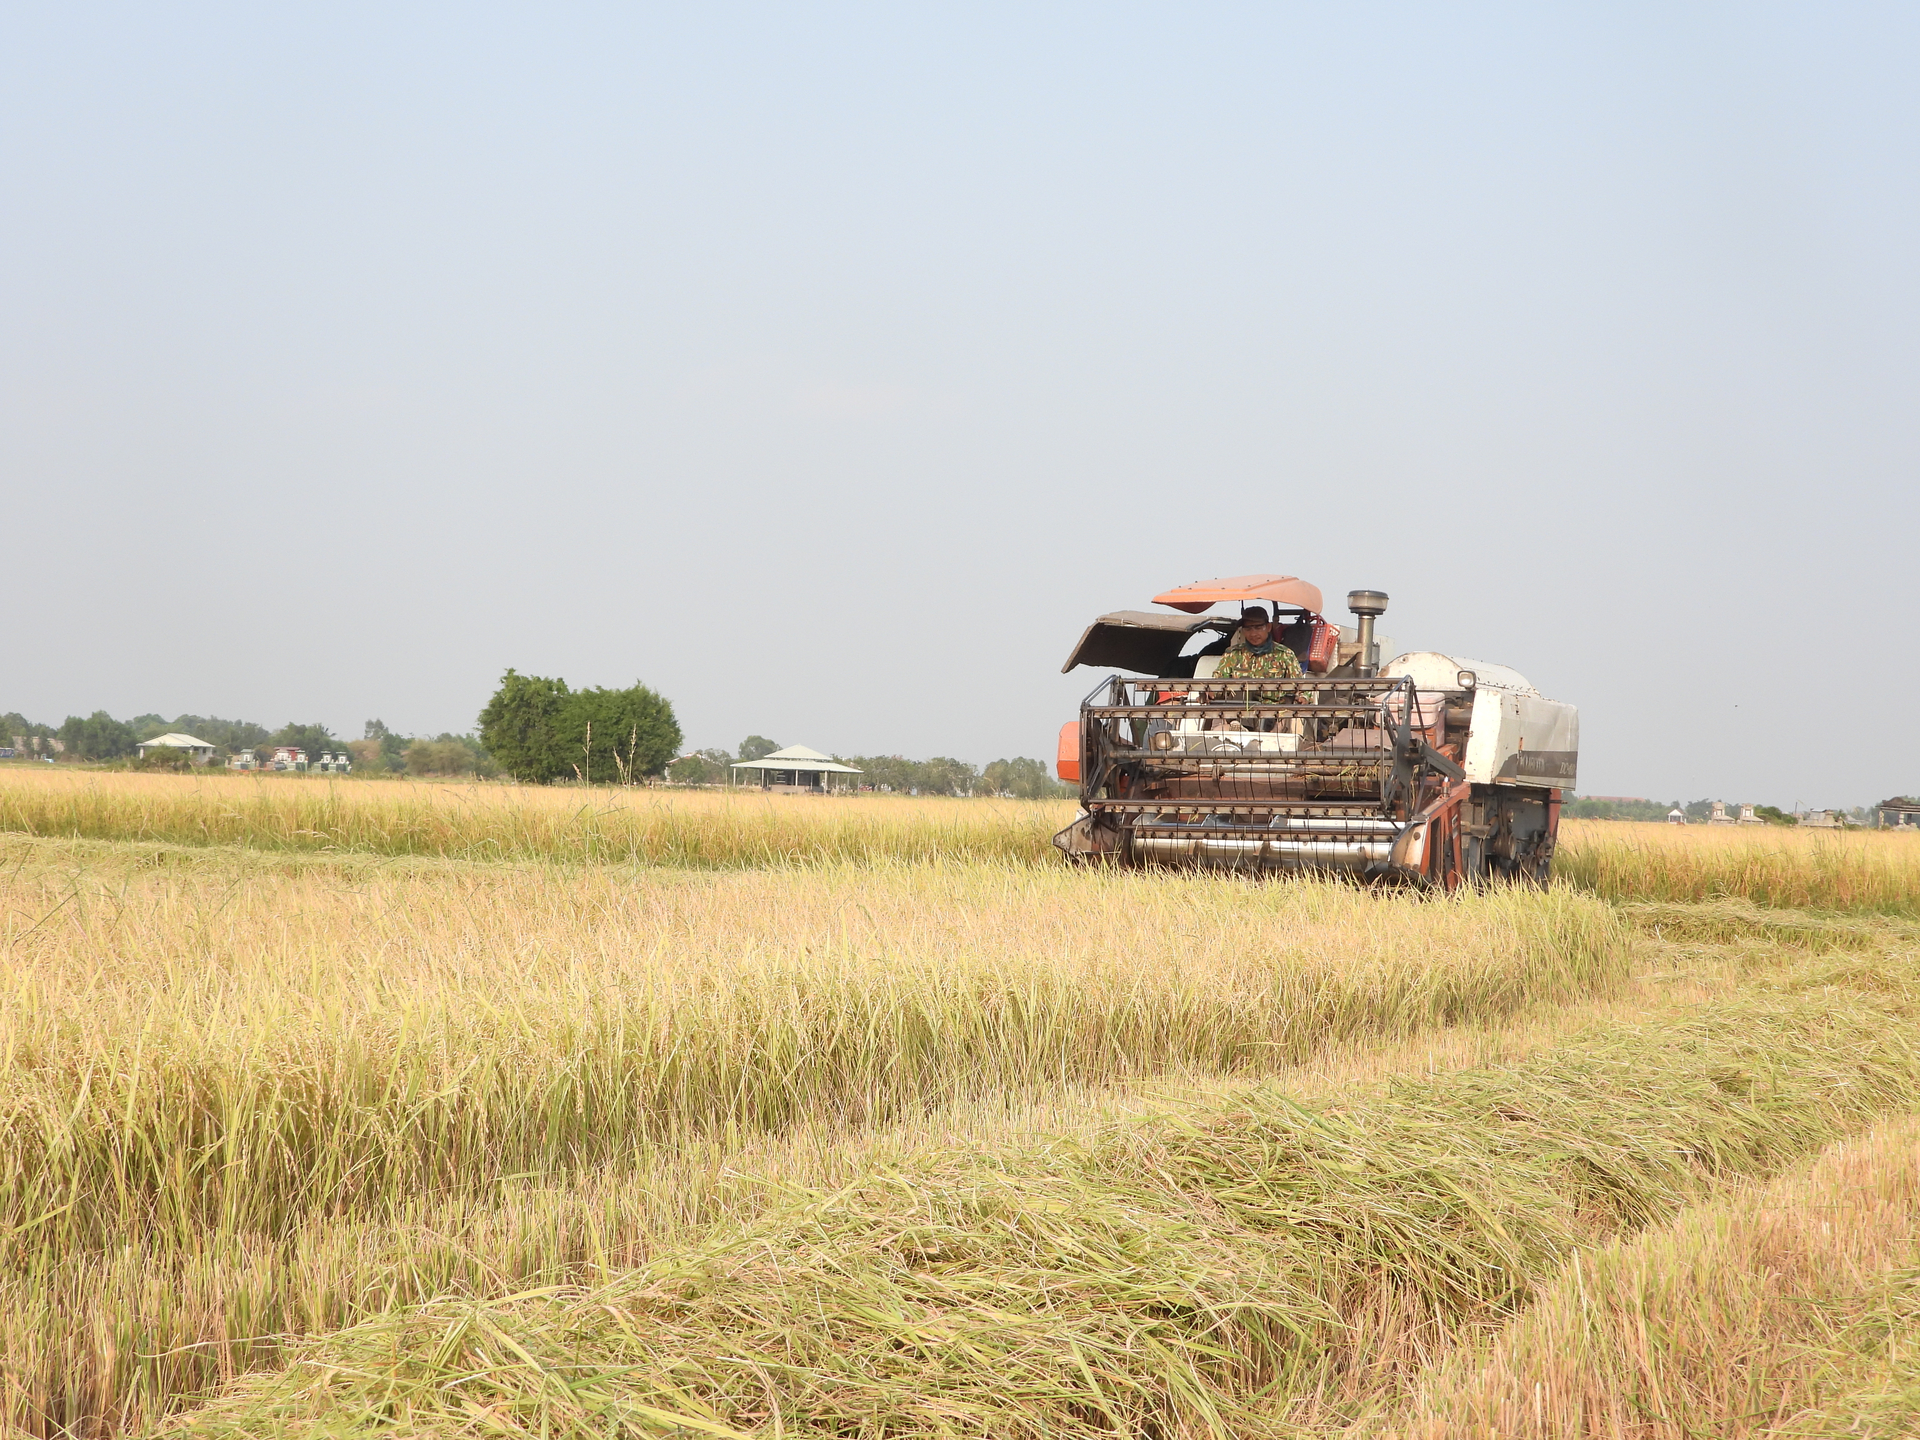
point(1240, 663)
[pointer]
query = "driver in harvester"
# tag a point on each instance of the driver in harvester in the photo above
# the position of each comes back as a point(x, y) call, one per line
point(1256, 654)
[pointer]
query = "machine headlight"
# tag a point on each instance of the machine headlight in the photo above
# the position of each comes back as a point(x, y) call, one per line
point(1160, 740)
point(1466, 679)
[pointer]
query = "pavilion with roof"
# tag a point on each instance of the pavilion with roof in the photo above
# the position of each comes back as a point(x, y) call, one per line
point(198, 751)
point(795, 768)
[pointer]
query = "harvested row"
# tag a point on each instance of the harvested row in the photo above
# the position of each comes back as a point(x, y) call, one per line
point(1744, 924)
point(1783, 1310)
point(1259, 1268)
point(210, 1053)
point(102, 1339)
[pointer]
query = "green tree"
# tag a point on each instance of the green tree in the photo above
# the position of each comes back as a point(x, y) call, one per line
point(14, 723)
point(165, 757)
point(539, 731)
point(477, 761)
point(447, 755)
point(393, 748)
point(943, 775)
point(1024, 778)
point(616, 737)
point(522, 727)
point(702, 767)
point(310, 738)
point(887, 772)
point(231, 736)
point(757, 747)
point(98, 737)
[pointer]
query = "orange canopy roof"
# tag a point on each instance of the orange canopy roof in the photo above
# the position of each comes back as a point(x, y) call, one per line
point(1280, 589)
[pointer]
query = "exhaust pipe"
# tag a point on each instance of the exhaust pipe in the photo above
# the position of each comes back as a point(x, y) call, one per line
point(1367, 604)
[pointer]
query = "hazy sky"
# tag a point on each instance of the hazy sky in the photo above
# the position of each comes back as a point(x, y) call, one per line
point(827, 367)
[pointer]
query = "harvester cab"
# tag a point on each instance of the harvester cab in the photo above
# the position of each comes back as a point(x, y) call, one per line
point(1431, 768)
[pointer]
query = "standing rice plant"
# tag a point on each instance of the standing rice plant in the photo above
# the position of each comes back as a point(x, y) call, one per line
point(245, 1056)
point(1867, 871)
point(1871, 872)
point(600, 825)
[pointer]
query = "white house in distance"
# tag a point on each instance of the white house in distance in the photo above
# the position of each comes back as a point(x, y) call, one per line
point(198, 751)
point(795, 768)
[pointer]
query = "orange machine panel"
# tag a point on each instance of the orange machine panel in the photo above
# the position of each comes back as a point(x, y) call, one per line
point(1067, 763)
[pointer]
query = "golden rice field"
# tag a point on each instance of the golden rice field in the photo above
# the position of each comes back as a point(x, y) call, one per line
point(406, 1109)
point(720, 830)
point(688, 828)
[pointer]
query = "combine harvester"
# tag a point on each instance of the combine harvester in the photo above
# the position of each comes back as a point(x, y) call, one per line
point(1431, 769)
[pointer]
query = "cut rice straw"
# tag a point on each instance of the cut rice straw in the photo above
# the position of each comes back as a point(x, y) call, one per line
point(1252, 1270)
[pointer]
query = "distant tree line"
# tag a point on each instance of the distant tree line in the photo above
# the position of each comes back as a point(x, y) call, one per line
point(1585, 809)
point(709, 766)
point(380, 751)
point(533, 729)
point(1025, 779)
point(1021, 777)
point(1698, 812)
point(100, 738)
